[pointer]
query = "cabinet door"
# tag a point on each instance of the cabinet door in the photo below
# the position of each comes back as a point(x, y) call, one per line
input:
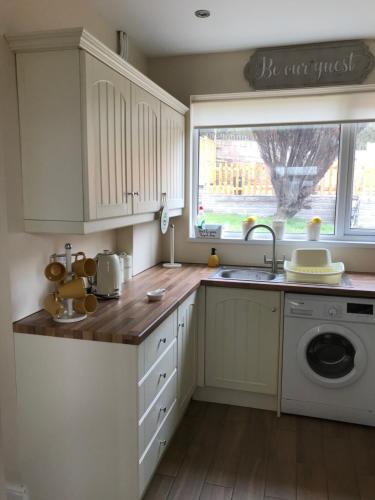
point(145, 151)
point(172, 156)
point(242, 339)
point(187, 351)
point(108, 109)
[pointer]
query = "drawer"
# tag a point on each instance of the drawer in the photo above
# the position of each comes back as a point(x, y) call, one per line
point(152, 420)
point(157, 343)
point(156, 379)
point(151, 458)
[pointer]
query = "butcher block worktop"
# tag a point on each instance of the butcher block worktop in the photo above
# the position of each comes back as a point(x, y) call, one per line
point(132, 318)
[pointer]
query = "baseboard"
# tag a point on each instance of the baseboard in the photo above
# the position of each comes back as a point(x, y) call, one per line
point(16, 492)
point(236, 398)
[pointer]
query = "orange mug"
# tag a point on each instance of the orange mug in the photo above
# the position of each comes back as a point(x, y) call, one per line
point(55, 271)
point(84, 267)
point(74, 289)
point(85, 305)
point(53, 304)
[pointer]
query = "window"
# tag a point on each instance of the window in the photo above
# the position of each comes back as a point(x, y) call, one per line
point(288, 172)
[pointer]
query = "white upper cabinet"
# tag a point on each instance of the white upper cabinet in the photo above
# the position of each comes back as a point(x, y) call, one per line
point(145, 151)
point(172, 156)
point(242, 339)
point(91, 136)
point(108, 108)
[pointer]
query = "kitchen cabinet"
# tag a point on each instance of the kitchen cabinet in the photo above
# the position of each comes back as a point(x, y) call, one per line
point(87, 407)
point(91, 136)
point(145, 151)
point(108, 108)
point(172, 156)
point(242, 339)
point(187, 350)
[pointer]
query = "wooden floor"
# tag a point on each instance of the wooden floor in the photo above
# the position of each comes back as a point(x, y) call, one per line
point(222, 452)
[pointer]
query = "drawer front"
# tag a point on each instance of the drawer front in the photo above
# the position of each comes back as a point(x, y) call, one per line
point(157, 378)
point(150, 460)
point(157, 343)
point(152, 420)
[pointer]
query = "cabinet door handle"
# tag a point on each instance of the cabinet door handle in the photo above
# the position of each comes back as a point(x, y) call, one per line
point(181, 325)
point(162, 375)
point(130, 194)
point(135, 193)
point(274, 309)
point(162, 341)
point(163, 442)
point(163, 410)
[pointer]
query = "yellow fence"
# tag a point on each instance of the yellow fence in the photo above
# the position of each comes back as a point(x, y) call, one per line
point(252, 178)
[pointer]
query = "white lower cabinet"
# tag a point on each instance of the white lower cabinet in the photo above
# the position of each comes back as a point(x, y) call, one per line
point(95, 418)
point(187, 351)
point(242, 339)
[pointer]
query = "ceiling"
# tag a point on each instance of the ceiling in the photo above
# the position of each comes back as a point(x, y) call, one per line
point(167, 27)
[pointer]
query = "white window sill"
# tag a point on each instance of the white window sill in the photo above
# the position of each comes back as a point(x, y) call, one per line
point(329, 242)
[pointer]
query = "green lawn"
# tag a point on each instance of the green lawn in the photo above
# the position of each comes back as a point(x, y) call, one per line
point(232, 223)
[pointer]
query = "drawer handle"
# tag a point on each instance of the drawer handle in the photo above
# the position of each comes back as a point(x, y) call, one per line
point(163, 341)
point(162, 375)
point(163, 443)
point(163, 410)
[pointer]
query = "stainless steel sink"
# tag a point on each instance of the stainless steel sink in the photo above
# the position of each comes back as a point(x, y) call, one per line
point(247, 274)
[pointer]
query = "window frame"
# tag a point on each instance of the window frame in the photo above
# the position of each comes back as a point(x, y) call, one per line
point(343, 231)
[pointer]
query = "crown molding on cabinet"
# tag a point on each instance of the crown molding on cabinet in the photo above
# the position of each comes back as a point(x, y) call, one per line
point(79, 38)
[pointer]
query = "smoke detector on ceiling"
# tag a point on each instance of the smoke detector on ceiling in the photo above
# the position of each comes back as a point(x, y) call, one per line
point(202, 13)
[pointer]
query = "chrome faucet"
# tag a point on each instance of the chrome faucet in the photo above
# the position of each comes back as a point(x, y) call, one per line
point(274, 261)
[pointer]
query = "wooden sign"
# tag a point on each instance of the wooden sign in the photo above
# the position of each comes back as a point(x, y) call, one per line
point(313, 65)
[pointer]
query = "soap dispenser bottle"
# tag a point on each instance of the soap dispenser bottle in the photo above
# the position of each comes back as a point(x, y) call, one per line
point(213, 259)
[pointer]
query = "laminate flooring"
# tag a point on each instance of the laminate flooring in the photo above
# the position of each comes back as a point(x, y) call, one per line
point(222, 452)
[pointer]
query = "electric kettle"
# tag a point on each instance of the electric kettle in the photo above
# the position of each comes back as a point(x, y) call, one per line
point(108, 275)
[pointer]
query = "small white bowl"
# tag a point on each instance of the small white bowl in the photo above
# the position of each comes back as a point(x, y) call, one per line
point(154, 295)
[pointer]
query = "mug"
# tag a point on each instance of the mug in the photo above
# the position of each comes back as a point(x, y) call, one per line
point(86, 305)
point(55, 271)
point(84, 267)
point(53, 304)
point(74, 289)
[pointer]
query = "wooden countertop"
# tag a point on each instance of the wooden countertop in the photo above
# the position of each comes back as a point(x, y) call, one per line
point(130, 319)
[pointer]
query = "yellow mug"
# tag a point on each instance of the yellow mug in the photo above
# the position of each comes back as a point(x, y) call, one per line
point(84, 267)
point(86, 305)
point(55, 271)
point(53, 304)
point(74, 289)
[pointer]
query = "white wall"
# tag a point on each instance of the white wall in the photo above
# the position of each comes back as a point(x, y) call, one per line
point(23, 256)
point(183, 76)
point(143, 242)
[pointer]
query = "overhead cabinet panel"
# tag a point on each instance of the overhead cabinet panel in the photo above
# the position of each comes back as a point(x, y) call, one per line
point(108, 108)
point(91, 136)
point(145, 151)
point(172, 156)
point(50, 127)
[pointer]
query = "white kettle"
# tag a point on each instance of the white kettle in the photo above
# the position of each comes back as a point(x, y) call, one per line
point(108, 276)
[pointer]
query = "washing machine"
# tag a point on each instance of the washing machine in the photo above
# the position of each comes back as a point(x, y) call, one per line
point(329, 358)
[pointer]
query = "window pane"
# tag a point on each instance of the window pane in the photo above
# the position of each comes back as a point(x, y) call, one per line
point(283, 172)
point(363, 193)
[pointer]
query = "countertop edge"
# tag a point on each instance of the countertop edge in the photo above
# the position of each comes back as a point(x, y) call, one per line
point(36, 324)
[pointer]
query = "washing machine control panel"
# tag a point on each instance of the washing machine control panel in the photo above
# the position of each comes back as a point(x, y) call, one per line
point(330, 308)
point(334, 311)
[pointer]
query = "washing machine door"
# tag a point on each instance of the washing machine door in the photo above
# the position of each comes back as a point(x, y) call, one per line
point(331, 355)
